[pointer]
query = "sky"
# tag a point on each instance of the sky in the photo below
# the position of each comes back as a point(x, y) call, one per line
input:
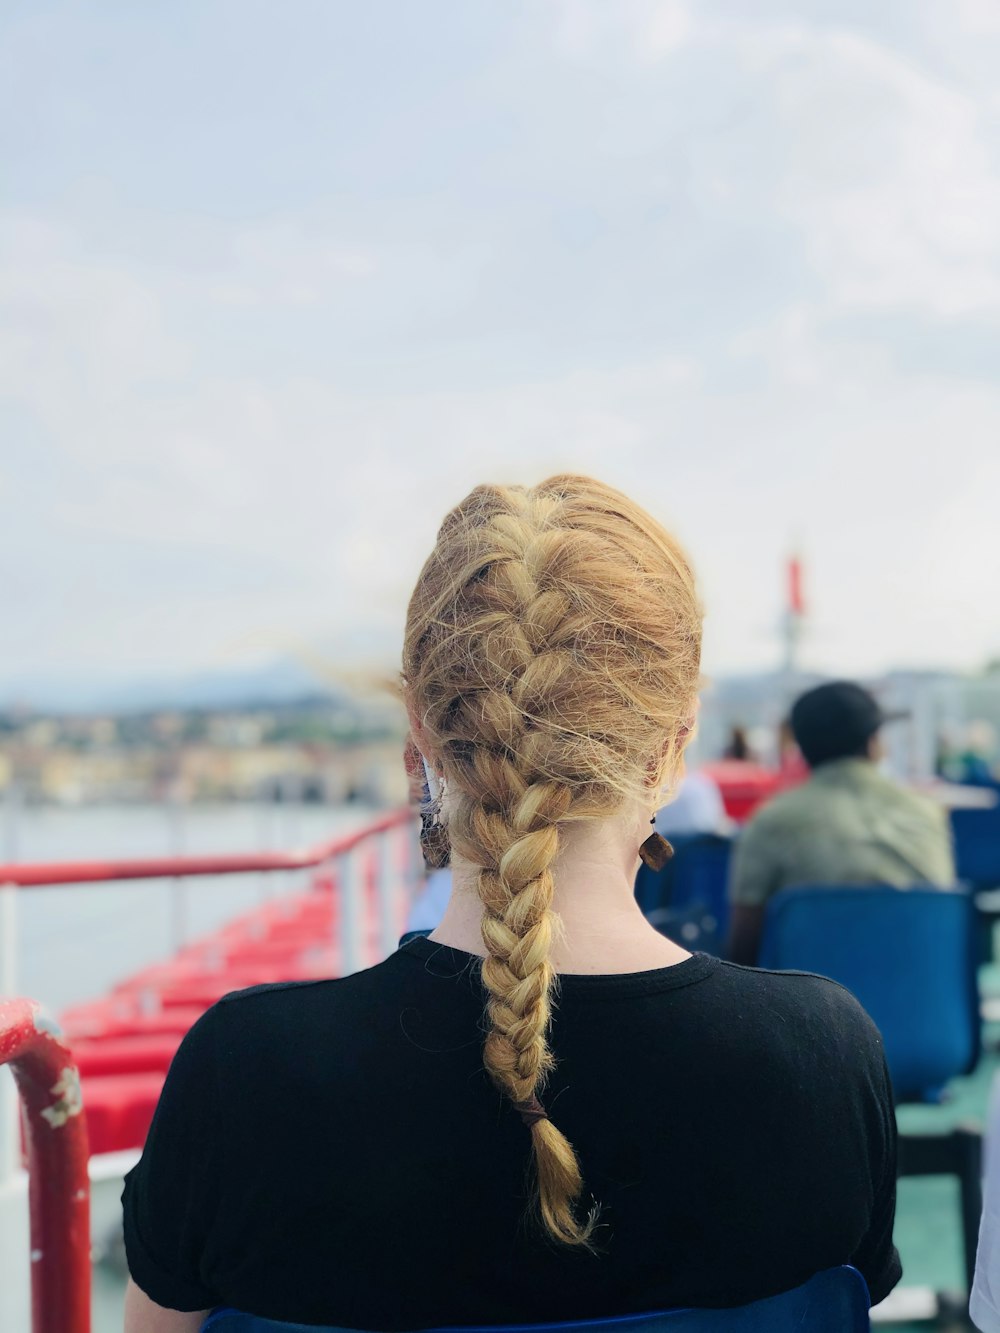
point(280, 283)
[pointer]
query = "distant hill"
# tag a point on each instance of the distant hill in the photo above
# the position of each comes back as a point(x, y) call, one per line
point(277, 682)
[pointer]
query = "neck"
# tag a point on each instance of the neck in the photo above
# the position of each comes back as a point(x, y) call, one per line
point(601, 929)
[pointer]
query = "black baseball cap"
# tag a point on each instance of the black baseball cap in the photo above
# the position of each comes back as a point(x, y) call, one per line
point(836, 720)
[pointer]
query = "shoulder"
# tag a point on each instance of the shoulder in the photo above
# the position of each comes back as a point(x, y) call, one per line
point(274, 1009)
point(914, 802)
point(294, 996)
point(781, 811)
point(272, 996)
point(808, 990)
point(803, 1006)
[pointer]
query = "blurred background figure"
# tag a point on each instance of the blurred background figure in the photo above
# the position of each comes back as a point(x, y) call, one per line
point(847, 824)
point(975, 766)
point(739, 745)
point(697, 807)
point(791, 765)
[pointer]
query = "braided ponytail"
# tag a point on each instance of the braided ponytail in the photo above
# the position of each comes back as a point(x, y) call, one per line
point(544, 683)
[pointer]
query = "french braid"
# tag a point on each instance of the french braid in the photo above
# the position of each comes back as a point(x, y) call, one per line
point(551, 656)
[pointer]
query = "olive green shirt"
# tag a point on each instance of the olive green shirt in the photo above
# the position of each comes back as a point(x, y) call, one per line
point(847, 824)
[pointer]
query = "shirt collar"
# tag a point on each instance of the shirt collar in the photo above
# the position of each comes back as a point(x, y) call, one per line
point(850, 770)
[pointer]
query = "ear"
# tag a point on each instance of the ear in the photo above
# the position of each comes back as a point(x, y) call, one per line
point(656, 769)
point(689, 726)
point(418, 735)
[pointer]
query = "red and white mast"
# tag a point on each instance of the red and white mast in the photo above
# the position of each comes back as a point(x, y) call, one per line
point(795, 612)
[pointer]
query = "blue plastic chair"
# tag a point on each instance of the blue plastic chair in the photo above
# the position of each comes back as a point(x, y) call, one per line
point(977, 846)
point(695, 912)
point(654, 888)
point(909, 956)
point(834, 1301)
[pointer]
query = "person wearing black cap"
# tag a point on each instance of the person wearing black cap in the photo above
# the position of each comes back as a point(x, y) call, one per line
point(848, 824)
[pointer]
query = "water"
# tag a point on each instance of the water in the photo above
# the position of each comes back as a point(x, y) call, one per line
point(74, 942)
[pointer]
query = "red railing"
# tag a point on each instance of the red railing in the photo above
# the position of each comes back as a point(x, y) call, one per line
point(39, 874)
point(55, 1138)
point(368, 867)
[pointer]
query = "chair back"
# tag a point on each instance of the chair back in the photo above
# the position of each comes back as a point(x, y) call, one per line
point(700, 883)
point(977, 846)
point(834, 1301)
point(654, 888)
point(907, 954)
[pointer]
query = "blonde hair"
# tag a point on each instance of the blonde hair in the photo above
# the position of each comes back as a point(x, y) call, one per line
point(551, 662)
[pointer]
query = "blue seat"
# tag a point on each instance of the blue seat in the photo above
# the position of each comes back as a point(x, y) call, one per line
point(654, 888)
point(694, 906)
point(834, 1301)
point(977, 846)
point(909, 956)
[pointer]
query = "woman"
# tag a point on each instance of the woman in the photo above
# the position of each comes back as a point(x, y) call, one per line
point(546, 1110)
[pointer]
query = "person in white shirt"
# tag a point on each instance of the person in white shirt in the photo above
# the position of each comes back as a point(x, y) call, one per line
point(984, 1303)
point(696, 808)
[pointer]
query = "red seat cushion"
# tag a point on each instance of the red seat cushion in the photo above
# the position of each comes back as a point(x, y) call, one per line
point(119, 1108)
point(138, 1054)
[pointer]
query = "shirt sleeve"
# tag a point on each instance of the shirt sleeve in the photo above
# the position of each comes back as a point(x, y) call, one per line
point(877, 1258)
point(754, 874)
point(172, 1194)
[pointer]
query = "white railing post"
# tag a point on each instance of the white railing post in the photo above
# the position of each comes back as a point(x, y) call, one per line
point(415, 870)
point(265, 838)
point(178, 885)
point(8, 940)
point(352, 912)
point(388, 876)
point(10, 1153)
point(178, 913)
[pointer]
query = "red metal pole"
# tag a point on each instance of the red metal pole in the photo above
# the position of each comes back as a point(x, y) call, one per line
point(55, 1134)
point(796, 598)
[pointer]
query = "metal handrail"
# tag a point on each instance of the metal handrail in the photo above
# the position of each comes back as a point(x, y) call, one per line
point(38, 875)
point(55, 1138)
point(55, 1133)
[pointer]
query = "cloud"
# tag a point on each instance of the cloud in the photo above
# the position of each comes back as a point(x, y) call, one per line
point(889, 176)
point(975, 17)
point(287, 263)
point(645, 30)
point(674, 249)
point(75, 326)
point(879, 165)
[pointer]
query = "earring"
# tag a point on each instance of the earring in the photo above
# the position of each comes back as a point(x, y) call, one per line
point(655, 851)
point(434, 842)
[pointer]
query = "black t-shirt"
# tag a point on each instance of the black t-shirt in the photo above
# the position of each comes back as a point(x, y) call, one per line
point(332, 1152)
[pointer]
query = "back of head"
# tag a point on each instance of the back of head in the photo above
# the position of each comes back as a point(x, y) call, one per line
point(836, 720)
point(550, 663)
